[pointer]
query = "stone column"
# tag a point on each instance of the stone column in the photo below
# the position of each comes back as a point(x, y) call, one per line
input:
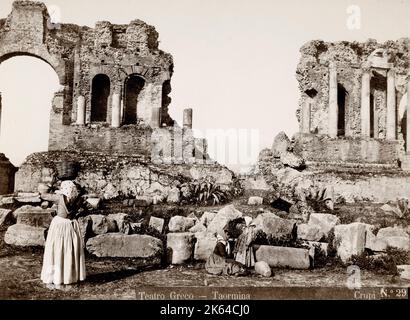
point(408, 116)
point(187, 121)
point(116, 110)
point(365, 103)
point(332, 115)
point(306, 115)
point(156, 117)
point(391, 106)
point(81, 110)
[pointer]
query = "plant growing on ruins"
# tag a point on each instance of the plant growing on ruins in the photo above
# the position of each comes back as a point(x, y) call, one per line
point(204, 191)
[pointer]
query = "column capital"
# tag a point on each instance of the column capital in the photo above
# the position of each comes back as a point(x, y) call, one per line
point(366, 67)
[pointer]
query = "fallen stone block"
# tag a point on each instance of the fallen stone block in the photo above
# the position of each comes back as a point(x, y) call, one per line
point(102, 225)
point(404, 271)
point(392, 232)
point(35, 199)
point(350, 239)
point(204, 246)
point(180, 247)
point(281, 144)
point(199, 227)
point(121, 220)
point(25, 235)
point(6, 217)
point(326, 222)
point(309, 232)
point(398, 242)
point(157, 224)
point(274, 226)
point(34, 216)
point(125, 246)
point(180, 224)
point(255, 201)
point(282, 257)
point(207, 217)
point(94, 203)
point(262, 268)
point(222, 218)
point(292, 160)
point(174, 195)
point(50, 197)
point(7, 200)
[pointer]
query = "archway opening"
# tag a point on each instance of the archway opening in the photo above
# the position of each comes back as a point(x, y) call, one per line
point(100, 92)
point(342, 100)
point(133, 87)
point(27, 85)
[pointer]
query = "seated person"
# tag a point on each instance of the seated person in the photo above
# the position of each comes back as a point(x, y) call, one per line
point(218, 262)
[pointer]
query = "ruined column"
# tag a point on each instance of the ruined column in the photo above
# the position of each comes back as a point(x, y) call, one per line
point(81, 110)
point(391, 106)
point(332, 115)
point(408, 116)
point(116, 110)
point(365, 103)
point(187, 121)
point(156, 117)
point(306, 116)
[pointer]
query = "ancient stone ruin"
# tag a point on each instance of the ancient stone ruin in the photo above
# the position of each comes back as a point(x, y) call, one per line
point(354, 106)
point(113, 101)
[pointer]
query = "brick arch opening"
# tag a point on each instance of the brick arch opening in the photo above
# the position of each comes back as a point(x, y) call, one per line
point(27, 86)
point(100, 92)
point(134, 85)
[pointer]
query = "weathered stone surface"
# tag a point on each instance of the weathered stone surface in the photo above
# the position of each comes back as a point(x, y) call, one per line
point(102, 225)
point(34, 216)
point(255, 201)
point(207, 217)
point(222, 218)
point(125, 246)
point(279, 257)
point(44, 205)
point(157, 223)
point(94, 202)
point(180, 224)
point(262, 268)
point(398, 242)
point(326, 222)
point(143, 201)
point(292, 160)
point(34, 199)
point(6, 216)
point(43, 188)
point(404, 271)
point(392, 232)
point(174, 195)
point(309, 232)
point(204, 245)
point(350, 239)
point(272, 225)
point(180, 247)
point(199, 227)
point(121, 220)
point(7, 200)
point(372, 242)
point(280, 145)
point(24, 235)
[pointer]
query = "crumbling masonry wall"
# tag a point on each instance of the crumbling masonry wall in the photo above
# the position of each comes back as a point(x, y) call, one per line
point(353, 92)
point(79, 54)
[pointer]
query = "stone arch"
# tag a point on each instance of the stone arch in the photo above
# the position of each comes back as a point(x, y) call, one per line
point(133, 86)
point(100, 93)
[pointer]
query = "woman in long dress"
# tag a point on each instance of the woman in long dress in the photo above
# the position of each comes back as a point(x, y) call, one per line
point(244, 252)
point(64, 260)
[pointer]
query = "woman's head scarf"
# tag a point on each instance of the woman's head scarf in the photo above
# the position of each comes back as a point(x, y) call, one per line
point(69, 189)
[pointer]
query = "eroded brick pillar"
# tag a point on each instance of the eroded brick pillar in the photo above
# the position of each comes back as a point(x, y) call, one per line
point(391, 106)
point(81, 110)
point(187, 118)
point(156, 117)
point(332, 115)
point(116, 110)
point(365, 103)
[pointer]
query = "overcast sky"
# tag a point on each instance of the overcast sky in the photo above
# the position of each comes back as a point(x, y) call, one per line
point(235, 60)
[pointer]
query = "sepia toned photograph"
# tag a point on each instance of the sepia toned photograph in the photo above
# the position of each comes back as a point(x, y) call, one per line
point(189, 150)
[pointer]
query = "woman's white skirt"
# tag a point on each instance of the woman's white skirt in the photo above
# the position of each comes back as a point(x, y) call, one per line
point(64, 261)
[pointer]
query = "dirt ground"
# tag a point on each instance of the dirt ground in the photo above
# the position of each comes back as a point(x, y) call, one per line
point(120, 278)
